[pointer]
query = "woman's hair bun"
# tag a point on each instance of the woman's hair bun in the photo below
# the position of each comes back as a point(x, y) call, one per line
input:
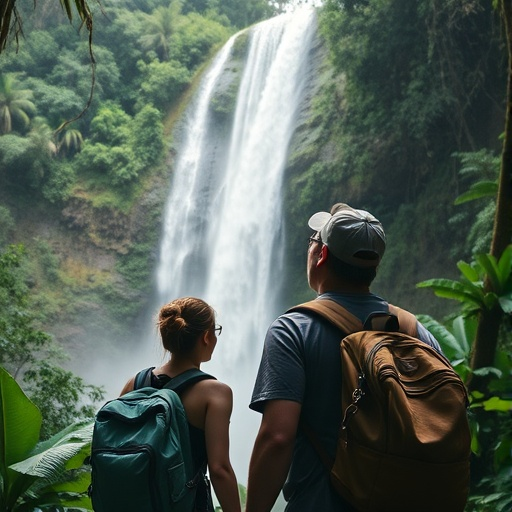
point(171, 319)
point(181, 321)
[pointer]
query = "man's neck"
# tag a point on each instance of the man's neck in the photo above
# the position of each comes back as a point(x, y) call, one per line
point(342, 287)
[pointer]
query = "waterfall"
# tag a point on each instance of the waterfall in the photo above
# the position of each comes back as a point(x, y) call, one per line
point(223, 237)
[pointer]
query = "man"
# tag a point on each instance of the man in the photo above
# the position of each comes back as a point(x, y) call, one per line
point(299, 379)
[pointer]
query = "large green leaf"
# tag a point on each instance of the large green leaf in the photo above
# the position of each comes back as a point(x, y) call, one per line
point(20, 422)
point(49, 463)
point(78, 484)
point(66, 450)
point(468, 271)
point(73, 492)
point(495, 403)
point(452, 347)
point(80, 432)
point(464, 330)
point(489, 264)
point(477, 191)
point(485, 371)
point(461, 291)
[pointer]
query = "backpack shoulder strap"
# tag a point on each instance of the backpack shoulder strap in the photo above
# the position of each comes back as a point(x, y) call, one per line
point(407, 321)
point(346, 322)
point(189, 377)
point(349, 323)
point(177, 384)
point(143, 378)
point(334, 312)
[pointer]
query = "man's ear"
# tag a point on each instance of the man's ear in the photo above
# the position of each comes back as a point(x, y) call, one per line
point(323, 254)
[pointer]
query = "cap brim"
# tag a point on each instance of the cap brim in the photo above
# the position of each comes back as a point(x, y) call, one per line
point(319, 220)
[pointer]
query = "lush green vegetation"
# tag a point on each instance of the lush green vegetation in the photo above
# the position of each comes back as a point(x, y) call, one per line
point(34, 475)
point(143, 62)
point(33, 357)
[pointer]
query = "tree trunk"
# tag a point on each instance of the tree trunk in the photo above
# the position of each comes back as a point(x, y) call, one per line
point(486, 341)
point(7, 10)
point(502, 234)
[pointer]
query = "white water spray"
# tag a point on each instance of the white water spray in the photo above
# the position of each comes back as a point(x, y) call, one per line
point(223, 232)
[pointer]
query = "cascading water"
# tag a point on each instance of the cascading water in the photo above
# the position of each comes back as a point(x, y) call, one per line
point(223, 234)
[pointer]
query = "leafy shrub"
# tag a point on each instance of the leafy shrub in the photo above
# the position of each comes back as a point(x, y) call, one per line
point(61, 396)
point(48, 475)
point(146, 136)
point(54, 102)
point(110, 125)
point(58, 184)
point(194, 38)
point(163, 83)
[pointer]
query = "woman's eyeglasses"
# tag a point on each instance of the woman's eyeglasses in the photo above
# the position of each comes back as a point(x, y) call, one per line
point(218, 329)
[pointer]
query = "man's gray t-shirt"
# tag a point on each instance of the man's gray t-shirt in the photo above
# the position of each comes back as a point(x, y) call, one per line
point(301, 362)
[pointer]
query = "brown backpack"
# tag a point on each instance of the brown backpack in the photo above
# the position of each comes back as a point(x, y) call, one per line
point(404, 441)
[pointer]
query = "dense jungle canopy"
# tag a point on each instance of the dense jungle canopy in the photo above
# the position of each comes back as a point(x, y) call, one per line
point(408, 114)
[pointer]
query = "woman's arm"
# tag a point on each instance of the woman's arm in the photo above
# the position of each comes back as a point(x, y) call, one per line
point(218, 413)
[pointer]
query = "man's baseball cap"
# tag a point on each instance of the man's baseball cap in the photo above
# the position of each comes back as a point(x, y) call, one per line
point(353, 236)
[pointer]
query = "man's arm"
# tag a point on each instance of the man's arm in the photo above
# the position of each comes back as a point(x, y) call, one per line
point(272, 454)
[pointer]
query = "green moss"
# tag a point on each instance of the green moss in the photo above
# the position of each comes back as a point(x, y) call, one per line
point(136, 266)
point(241, 45)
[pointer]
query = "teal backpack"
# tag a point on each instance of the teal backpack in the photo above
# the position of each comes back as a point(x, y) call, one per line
point(141, 456)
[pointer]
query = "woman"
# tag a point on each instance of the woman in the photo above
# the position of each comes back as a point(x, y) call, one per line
point(188, 331)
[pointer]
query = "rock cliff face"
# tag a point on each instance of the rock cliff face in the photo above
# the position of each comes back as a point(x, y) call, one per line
point(90, 267)
point(105, 228)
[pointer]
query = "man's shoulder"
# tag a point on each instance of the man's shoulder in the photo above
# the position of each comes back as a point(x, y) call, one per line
point(292, 324)
point(360, 305)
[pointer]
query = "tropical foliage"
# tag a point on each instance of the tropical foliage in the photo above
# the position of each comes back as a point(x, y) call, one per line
point(11, 23)
point(31, 355)
point(489, 413)
point(143, 57)
point(15, 105)
point(414, 82)
point(48, 475)
point(469, 289)
point(484, 287)
point(479, 171)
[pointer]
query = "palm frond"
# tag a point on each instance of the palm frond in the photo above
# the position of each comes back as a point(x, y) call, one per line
point(49, 463)
point(77, 432)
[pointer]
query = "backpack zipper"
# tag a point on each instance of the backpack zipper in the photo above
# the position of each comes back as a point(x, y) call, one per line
point(449, 372)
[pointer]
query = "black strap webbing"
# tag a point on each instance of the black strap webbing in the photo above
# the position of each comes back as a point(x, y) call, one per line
point(177, 384)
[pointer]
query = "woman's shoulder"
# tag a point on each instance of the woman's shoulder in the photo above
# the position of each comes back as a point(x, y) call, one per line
point(129, 386)
point(213, 385)
point(212, 393)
